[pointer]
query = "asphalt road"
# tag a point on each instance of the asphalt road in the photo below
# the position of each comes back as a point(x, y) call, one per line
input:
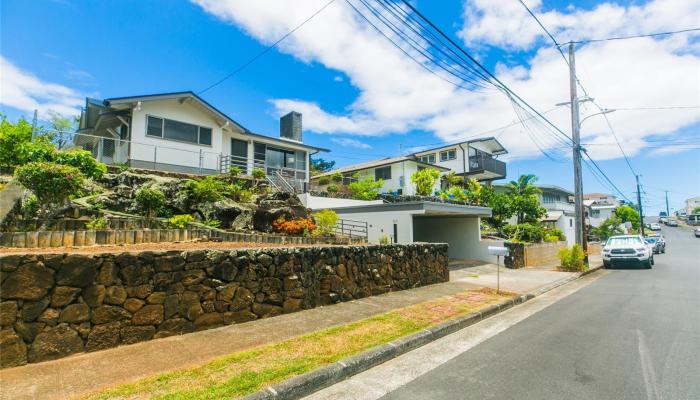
point(632, 334)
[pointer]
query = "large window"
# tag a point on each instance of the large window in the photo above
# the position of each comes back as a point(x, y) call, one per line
point(428, 158)
point(448, 155)
point(550, 198)
point(176, 130)
point(382, 173)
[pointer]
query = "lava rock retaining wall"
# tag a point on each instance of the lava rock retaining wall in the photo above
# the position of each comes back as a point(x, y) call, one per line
point(54, 305)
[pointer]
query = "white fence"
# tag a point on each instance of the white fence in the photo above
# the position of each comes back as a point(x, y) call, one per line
point(116, 151)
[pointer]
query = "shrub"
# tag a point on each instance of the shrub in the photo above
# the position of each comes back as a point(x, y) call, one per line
point(554, 234)
point(234, 171)
point(424, 180)
point(325, 222)
point(30, 206)
point(384, 240)
point(531, 233)
point(150, 201)
point(83, 160)
point(337, 177)
point(457, 193)
point(324, 180)
point(97, 223)
point(365, 189)
point(609, 227)
point(295, 226)
point(332, 188)
point(41, 149)
point(572, 258)
point(51, 183)
point(259, 173)
point(13, 137)
point(181, 221)
point(211, 223)
point(239, 193)
point(205, 190)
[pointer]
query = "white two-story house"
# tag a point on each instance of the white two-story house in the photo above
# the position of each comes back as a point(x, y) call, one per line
point(181, 132)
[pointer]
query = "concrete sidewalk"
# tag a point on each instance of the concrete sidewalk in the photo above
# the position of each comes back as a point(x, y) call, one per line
point(85, 373)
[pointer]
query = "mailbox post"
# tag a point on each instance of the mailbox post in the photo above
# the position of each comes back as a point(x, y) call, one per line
point(498, 251)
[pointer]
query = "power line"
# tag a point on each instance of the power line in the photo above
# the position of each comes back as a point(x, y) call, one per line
point(604, 175)
point(556, 44)
point(264, 51)
point(654, 108)
point(635, 36)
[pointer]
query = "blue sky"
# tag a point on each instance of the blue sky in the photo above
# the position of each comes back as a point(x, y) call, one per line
point(118, 48)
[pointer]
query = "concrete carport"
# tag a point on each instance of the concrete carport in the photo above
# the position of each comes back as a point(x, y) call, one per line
point(424, 221)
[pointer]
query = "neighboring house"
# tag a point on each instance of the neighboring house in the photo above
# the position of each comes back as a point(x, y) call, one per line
point(471, 159)
point(599, 206)
point(560, 209)
point(395, 172)
point(181, 132)
point(601, 198)
point(691, 204)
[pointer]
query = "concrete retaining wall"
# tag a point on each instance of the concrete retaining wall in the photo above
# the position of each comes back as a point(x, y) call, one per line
point(54, 305)
point(533, 254)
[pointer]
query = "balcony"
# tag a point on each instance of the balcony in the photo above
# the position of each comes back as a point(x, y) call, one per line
point(484, 167)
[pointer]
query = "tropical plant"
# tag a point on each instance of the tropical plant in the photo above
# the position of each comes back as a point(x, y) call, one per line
point(456, 193)
point(83, 160)
point(97, 223)
point(294, 226)
point(472, 191)
point(529, 233)
point(452, 179)
point(572, 259)
point(365, 189)
point(525, 200)
point(500, 205)
point(325, 222)
point(259, 173)
point(332, 189)
point(181, 221)
point(628, 214)
point(207, 190)
point(607, 228)
point(211, 223)
point(324, 180)
point(51, 183)
point(234, 171)
point(425, 180)
point(150, 202)
point(319, 165)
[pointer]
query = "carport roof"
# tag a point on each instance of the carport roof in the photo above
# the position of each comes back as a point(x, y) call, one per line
point(427, 208)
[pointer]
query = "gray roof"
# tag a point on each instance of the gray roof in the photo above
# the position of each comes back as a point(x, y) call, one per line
point(499, 149)
point(379, 163)
point(543, 187)
point(420, 207)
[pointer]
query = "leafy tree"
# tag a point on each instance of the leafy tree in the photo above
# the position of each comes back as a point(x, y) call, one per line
point(319, 165)
point(366, 188)
point(500, 205)
point(424, 180)
point(17, 147)
point(696, 210)
point(525, 199)
point(628, 214)
point(62, 129)
point(609, 227)
point(150, 201)
point(51, 183)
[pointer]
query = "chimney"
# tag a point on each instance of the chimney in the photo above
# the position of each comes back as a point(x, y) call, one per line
point(290, 126)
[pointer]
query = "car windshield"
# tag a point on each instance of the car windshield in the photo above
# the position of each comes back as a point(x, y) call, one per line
point(623, 241)
point(651, 240)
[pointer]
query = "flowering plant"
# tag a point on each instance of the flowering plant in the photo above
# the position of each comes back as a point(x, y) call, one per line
point(295, 226)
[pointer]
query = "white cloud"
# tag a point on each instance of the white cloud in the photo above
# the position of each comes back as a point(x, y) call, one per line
point(347, 142)
point(23, 91)
point(396, 95)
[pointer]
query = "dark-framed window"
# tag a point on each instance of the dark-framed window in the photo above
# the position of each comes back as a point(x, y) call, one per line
point(448, 155)
point(382, 173)
point(428, 158)
point(179, 131)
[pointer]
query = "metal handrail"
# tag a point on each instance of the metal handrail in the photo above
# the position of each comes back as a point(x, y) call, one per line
point(352, 228)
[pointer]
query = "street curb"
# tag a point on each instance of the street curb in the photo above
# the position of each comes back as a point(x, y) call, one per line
point(310, 382)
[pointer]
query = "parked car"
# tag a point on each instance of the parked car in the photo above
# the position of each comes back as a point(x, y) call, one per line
point(672, 222)
point(658, 245)
point(663, 220)
point(697, 232)
point(655, 227)
point(627, 250)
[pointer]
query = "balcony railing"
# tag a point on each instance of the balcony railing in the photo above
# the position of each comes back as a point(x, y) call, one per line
point(486, 163)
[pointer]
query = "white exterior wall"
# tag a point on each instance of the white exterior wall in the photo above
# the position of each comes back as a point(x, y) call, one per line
point(690, 204)
point(320, 203)
point(379, 224)
point(566, 224)
point(462, 234)
point(166, 151)
point(603, 214)
point(405, 169)
point(457, 165)
point(282, 144)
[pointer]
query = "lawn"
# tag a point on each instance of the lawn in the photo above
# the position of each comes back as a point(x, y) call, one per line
point(245, 372)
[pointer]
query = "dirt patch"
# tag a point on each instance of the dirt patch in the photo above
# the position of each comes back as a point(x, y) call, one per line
point(149, 247)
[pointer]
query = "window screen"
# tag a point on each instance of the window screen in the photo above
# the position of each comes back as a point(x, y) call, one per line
point(382, 173)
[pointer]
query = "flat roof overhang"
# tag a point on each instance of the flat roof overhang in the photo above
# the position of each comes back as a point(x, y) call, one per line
point(420, 209)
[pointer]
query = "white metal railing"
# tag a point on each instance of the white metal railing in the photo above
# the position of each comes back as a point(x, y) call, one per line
point(115, 151)
point(282, 178)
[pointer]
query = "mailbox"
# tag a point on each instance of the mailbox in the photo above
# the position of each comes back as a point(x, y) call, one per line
point(498, 251)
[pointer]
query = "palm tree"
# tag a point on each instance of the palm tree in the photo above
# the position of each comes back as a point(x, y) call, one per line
point(523, 189)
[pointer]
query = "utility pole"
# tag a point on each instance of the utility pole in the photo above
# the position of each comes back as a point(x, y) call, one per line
point(639, 205)
point(576, 136)
point(34, 125)
point(668, 212)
